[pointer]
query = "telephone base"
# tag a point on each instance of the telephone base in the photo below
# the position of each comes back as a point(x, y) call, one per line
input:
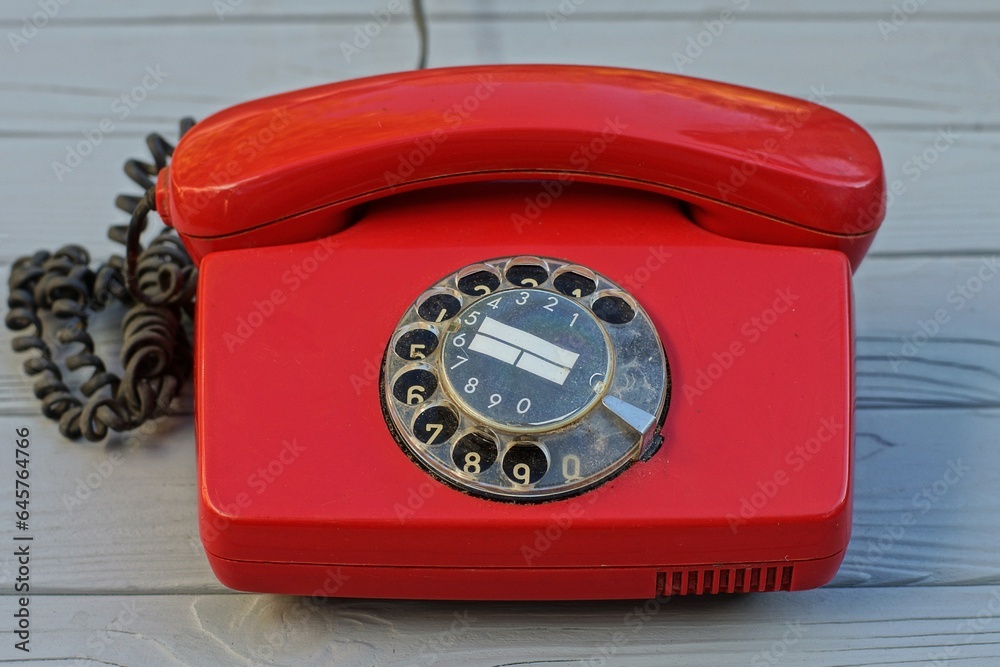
point(500, 584)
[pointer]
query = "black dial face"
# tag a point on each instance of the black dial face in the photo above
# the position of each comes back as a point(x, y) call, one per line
point(525, 359)
point(524, 379)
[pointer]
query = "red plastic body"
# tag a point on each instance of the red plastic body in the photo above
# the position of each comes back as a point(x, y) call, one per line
point(751, 165)
point(301, 481)
point(734, 217)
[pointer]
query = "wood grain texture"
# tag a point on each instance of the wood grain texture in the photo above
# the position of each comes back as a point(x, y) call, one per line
point(790, 10)
point(119, 576)
point(122, 518)
point(211, 64)
point(44, 116)
point(823, 628)
point(949, 208)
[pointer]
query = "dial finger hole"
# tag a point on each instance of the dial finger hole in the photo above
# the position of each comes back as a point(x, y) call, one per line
point(439, 307)
point(478, 280)
point(474, 453)
point(435, 425)
point(415, 344)
point(526, 272)
point(575, 281)
point(614, 308)
point(525, 463)
point(414, 386)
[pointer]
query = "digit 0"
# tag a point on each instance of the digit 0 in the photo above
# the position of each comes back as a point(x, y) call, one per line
point(571, 467)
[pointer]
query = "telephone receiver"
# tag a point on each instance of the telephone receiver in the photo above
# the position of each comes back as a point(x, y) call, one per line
point(524, 332)
point(748, 165)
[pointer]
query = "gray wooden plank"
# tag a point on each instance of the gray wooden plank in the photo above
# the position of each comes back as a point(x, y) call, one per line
point(927, 332)
point(45, 115)
point(951, 207)
point(925, 499)
point(218, 64)
point(937, 201)
point(121, 517)
point(825, 628)
point(869, 82)
point(14, 11)
point(793, 10)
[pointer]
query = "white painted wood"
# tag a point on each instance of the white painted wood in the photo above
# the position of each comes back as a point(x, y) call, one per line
point(43, 116)
point(217, 63)
point(123, 518)
point(951, 207)
point(908, 591)
point(794, 10)
point(824, 628)
point(898, 301)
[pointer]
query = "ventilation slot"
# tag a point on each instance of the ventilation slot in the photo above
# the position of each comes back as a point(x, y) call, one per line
point(712, 580)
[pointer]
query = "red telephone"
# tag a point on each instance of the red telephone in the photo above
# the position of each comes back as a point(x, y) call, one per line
point(524, 332)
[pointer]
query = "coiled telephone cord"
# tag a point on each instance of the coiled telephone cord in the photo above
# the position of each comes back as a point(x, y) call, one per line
point(156, 283)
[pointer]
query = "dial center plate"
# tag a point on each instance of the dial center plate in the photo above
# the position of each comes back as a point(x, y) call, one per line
point(526, 360)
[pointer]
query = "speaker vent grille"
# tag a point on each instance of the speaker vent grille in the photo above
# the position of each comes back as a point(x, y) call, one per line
point(712, 580)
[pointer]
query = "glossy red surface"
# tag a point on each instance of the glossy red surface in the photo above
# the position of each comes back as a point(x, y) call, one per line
point(303, 490)
point(753, 165)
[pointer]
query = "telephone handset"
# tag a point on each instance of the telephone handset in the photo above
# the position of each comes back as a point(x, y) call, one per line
point(524, 332)
point(751, 165)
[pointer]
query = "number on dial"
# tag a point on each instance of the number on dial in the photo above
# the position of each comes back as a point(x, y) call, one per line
point(474, 453)
point(414, 386)
point(435, 425)
point(525, 463)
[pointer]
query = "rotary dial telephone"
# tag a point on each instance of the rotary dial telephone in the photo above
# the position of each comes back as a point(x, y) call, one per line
point(524, 332)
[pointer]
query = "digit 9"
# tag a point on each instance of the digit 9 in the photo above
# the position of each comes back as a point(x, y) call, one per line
point(525, 463)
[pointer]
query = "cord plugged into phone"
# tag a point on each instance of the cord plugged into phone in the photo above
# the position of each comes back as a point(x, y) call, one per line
point(524, 332)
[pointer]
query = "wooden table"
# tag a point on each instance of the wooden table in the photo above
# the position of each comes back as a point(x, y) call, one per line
point(118, 576)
